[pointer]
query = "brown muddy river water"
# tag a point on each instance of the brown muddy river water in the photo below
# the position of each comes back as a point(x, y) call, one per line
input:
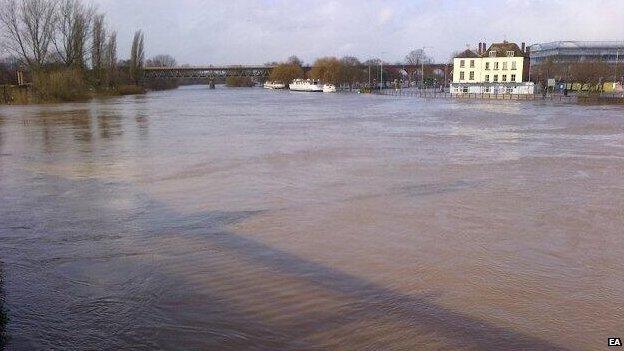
point(245, 219)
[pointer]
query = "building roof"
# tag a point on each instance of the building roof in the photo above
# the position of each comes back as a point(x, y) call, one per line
point(467, 54)
point(502, 48)
point(578, 45)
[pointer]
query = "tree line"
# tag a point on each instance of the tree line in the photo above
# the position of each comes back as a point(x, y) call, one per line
point(588, 74)
point(350, 71)
point(68, 50)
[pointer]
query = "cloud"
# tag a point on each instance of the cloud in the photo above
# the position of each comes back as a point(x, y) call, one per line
point(252, 32)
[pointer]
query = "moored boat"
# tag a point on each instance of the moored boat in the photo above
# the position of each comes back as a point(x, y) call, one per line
point(274, 85)
point(306, 85)
point(329, 88)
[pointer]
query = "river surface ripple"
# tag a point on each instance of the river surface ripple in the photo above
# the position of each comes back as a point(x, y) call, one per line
point(245, 219)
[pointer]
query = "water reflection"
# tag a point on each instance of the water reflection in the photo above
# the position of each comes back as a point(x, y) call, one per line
point(109, 125)
point(2, 136)
point(142, 122)
point(3, 314)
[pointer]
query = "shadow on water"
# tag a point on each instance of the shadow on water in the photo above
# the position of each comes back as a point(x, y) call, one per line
point(4, 338)
point(371, 301)
point(209, 239)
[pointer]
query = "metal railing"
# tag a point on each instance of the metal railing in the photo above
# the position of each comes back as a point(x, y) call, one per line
point(474, 96)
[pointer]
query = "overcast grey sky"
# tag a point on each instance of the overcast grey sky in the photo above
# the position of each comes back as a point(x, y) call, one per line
point(254, 32)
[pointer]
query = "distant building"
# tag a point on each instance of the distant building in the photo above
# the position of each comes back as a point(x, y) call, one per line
point(611, 52)
point(503, 68)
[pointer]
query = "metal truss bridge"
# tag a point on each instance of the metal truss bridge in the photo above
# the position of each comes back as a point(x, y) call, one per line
point(260, 72)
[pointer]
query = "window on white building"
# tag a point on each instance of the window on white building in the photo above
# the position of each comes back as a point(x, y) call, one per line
point(487, 66)
point(505, 65)
point(461, 75)
point(471, 75)
point(496, 77)
point(471, 63)
point(513, 77)
point(487, 77)
point(495, 65)
point(504, 77)
point(510, 54)
point(513, 65)
point(462, 63)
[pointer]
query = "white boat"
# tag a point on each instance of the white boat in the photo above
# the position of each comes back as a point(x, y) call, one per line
point(329, 88)
point(274, 85)
point(306, 85)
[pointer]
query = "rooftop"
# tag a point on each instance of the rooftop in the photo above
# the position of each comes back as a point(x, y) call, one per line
point(500, 48)
point(577, 45)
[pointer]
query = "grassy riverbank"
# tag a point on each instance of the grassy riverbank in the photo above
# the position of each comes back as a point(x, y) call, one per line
point(66, 85)
point(27, 95)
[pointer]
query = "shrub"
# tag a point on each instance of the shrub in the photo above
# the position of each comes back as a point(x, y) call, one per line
point(60, 85)
point(239, 82)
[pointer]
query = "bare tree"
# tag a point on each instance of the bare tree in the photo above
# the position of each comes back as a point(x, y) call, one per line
point(295, 61)
point(73, 29)
point(161, 61)
point(28, 28)
point(417, 57)
point(590, 74)
point(98, 42)
point(353, 71)
point(137, 57)
point(110, 59)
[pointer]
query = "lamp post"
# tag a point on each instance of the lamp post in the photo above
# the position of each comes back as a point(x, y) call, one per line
point(381, 74)
point(381, 71)
point(422, 66)
point(617, 61)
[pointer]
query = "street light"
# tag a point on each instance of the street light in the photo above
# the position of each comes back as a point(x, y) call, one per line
point(617, 61)
point(381, 71)
point(422, 66)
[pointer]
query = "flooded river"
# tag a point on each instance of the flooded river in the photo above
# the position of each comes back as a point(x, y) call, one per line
point(245, 219)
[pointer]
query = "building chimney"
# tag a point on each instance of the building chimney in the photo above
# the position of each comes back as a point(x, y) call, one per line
point(523, 47)
point(484, 47)
point(480, 48)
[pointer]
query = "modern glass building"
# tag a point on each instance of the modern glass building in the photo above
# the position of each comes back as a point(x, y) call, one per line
point(611, 52)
